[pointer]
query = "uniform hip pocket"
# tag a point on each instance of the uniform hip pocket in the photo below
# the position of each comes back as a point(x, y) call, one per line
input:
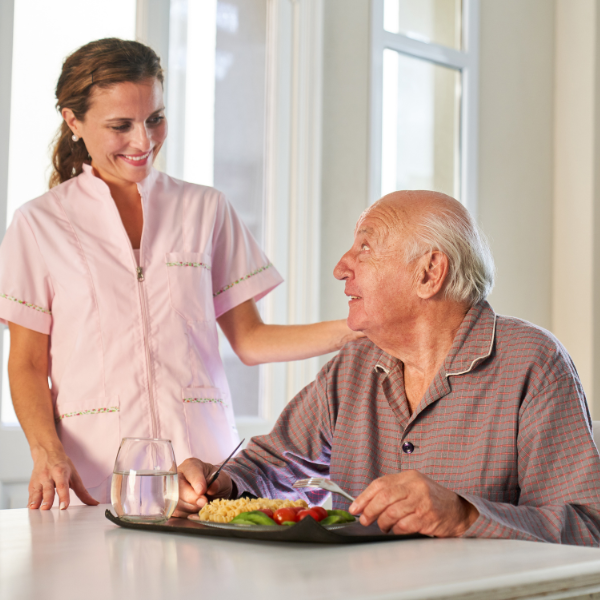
point(212, 436)
point(90, 432)
point(190, 285)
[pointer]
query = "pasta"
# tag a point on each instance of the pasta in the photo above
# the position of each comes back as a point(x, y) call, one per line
point(223, 511)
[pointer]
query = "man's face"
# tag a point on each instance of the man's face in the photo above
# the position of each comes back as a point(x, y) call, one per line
point(380, 285)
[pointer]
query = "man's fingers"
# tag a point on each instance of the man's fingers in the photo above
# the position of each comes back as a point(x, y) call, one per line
point(221, 488)
point(388, 484)
point(411, 523)
point(193, 471)
point(386, 496)
point(363, 499)
point(397, 513)
point(187, 494)
point(184, 509)
point(81, 491)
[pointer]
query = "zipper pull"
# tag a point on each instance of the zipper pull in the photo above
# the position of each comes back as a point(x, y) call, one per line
point(140, 274)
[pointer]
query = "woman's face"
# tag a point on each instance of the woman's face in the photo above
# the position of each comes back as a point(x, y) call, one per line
point(123, 130)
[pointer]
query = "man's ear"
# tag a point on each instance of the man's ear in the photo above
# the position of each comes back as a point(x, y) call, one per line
point(433, 271)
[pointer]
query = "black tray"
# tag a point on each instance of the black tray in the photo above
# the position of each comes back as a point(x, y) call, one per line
point(307, 530)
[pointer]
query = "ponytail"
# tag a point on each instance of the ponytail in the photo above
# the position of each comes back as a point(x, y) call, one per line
point(67, 156)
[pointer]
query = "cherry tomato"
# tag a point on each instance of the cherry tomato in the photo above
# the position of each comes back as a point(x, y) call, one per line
point(316, 513)
point(323, 514)
point(284, 514)
point(267, 512)
point(297, 509)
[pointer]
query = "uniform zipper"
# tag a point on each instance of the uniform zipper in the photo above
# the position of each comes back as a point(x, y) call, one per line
point(146, 329)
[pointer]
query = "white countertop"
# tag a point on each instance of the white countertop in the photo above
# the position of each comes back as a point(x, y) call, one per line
point(78, 554)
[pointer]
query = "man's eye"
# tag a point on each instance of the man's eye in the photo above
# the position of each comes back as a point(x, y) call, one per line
point(365, 247)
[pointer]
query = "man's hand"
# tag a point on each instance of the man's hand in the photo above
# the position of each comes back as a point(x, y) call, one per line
point(192, 474)
point(409, 502)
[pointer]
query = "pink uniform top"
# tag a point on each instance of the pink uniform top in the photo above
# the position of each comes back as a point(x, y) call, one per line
point(133, 350)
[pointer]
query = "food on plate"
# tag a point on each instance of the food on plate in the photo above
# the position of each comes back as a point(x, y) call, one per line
point(254, 517)
point(285, 515)
point(224, 511)
point(263, 511)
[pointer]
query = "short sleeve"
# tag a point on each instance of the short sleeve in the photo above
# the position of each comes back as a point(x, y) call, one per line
point(240, 270)
point(25, 287)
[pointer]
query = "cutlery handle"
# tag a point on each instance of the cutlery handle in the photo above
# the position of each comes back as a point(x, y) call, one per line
point(348, 496)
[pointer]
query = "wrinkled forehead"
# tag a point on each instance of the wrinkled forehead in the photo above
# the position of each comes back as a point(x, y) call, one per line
point(382, 221)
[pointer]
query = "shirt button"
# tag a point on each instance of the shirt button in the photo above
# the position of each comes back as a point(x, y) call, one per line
point(407, 448)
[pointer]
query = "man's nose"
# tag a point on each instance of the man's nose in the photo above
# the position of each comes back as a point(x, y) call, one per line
point(341, 270)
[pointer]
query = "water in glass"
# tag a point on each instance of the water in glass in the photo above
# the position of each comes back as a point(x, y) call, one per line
point(144, 484)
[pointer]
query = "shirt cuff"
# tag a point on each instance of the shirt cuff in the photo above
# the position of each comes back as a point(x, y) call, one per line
point(27, 315)
point(489, 522)
point(255, 285)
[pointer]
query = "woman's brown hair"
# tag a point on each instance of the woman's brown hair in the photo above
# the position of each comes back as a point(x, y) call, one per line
point(102, 63)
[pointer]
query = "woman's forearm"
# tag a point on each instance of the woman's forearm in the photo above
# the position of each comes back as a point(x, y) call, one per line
point(33, 406)
point(280, 343)
point(256, 343)
point(28, 377)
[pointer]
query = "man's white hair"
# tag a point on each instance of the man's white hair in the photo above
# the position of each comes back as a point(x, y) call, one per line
point(471, 266)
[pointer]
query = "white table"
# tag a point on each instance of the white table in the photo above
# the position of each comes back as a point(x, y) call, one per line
point(77, 554)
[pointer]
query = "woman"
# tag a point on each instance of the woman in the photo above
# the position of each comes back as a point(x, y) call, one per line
point(112, 284)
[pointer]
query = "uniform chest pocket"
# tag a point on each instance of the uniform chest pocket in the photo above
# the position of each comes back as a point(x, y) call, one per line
point(190, 285)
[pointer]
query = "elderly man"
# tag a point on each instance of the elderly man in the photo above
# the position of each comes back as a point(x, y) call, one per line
point(446, 419)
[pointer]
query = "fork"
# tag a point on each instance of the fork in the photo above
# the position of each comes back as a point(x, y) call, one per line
point(324, 484)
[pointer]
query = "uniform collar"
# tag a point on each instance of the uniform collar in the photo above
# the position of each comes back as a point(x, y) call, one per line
point(473, 342)
point(91, 182)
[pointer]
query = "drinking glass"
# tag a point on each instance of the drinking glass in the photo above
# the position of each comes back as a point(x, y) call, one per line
point(144, 486)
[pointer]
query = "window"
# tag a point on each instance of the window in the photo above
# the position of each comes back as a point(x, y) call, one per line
point(216, 110)
point(424, 97)
point(58, 28)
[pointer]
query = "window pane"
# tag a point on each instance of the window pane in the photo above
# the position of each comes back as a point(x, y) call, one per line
point(437, 21)
point(218, 83)
point(240, 76)
point(420, 128)
point(58, 27)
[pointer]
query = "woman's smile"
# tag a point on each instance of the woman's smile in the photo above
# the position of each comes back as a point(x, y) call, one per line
point(137, 160)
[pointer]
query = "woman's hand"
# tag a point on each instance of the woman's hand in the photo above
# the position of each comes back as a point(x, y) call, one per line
point(344, 333)
point(256, 343)
point(28, 376)
point(53, 470)
point(192, 475)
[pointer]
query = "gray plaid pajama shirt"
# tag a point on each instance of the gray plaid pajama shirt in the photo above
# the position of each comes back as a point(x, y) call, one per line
point(504, 424)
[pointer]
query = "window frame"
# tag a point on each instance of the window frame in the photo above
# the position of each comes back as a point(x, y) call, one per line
point(466, 61)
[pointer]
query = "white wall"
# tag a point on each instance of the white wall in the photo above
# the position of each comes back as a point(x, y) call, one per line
point(516, 152)
point(345, 150)
point(576, 258)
